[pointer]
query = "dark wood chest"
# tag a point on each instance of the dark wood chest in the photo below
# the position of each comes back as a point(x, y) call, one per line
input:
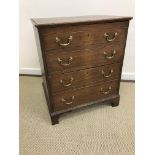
point(81, 60)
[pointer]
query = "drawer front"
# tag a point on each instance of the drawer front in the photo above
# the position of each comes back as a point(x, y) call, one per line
point(80, 36)
point(72, 98)
point(81, 59)
point(82, 78)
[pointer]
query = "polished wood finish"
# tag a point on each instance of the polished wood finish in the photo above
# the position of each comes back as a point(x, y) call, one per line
point(84, 77)
point(84, 58)
point(83, 35)
point(39, 22)
point(81, 60)
point(84, 95)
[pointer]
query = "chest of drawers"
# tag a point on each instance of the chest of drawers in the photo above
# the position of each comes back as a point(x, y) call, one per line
point(81, 60)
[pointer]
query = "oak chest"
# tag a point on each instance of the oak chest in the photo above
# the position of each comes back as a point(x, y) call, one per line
point(81, 60)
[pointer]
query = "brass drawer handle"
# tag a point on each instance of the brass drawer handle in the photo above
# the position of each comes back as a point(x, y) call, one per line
point(58, 40)
point(109, 75)
point(106, 92)
point(109, 37)
point(111, 56)
point(65, 64)
point(68, 84)
point(65, 101)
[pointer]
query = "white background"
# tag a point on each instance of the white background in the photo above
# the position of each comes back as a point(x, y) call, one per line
point(29, 63)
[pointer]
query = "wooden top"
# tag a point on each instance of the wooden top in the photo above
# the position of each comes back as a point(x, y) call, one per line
point(76, 20)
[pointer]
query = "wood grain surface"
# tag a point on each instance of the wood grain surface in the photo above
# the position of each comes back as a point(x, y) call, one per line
point(85, 58)
point(77, 79)
point(89, 19)
point(83, 95)
point(81, 60)
point(82, 35)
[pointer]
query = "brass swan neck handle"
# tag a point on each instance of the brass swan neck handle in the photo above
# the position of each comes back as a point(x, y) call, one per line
point(58, 40)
